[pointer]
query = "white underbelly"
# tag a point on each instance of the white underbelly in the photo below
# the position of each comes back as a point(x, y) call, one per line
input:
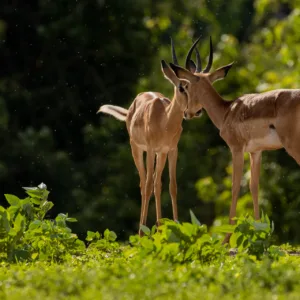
point(162, 149)
point(268, 142)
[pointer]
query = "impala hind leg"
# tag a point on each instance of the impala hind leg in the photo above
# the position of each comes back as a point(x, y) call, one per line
point(237, 172)
point(255, 162)
point(160, 165)
point(172, 160)
point(137, 155)
point(149, 185)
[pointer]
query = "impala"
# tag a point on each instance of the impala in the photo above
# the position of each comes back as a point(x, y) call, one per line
point(154, 126)
point(251, 123)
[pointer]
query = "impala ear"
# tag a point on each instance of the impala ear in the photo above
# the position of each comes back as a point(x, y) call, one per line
point(184, 74)
point(192, 66)
point(220, 73)
point(169, 74)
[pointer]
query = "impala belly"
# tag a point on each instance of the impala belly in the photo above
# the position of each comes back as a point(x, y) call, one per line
point(161, 149)
point(270, 141)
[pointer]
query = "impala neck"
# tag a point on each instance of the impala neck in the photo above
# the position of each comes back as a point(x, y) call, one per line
point(175, 111)
point(214, 105)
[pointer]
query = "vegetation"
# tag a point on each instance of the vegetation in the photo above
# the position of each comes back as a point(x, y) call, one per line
point(61, 60)
point(42, 258)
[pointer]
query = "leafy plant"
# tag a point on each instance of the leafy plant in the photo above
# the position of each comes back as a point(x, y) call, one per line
point(106, 244)
point(176, 242)
point(251, 236)
point(26, 234)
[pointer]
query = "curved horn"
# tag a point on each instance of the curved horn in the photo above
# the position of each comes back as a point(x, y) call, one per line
point(175, 61)
point(198, 62)
point(188, 57)
point(211, 57)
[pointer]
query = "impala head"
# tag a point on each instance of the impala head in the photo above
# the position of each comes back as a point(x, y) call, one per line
point(181, 86)
point(201, 80)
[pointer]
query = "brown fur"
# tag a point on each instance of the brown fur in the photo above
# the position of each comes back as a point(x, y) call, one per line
point(154, 126)
point(251, 123)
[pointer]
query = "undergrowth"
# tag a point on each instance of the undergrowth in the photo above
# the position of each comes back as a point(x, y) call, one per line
point(43, 258)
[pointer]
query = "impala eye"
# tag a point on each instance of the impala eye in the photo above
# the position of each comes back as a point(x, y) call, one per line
point(198, 113)
point(181, 89)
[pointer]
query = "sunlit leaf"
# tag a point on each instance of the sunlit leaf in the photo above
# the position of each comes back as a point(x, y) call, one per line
point(12, 199)
point(194, 220)
point(145, 229)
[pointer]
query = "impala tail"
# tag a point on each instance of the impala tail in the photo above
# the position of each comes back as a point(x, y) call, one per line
point(118, 112)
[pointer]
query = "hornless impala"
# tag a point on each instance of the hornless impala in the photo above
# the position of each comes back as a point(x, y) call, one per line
point(154, 125)
point(251, 123)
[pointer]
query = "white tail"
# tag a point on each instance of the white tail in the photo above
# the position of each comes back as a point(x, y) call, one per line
point(118, 112)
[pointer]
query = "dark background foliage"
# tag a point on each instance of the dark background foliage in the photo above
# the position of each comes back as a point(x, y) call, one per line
point(61, 60)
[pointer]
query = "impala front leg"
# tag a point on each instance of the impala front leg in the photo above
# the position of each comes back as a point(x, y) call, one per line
point(160, 164)
point(255, 162)
point(172, 159)
point(237, 172)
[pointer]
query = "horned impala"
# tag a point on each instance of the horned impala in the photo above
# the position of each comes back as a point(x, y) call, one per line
point(251, 123)
point(154, 126)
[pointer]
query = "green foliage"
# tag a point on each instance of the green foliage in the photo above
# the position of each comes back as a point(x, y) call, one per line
point(72, 58)
point(26, 234)
point(106, 245)
point(253, 236)
point(179, 243)
point(191, 242)
point(149, 278)
point(178, 261)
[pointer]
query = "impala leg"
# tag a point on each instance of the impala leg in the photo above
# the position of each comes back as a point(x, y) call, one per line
point(237, 172)
point(172, 159)
point(255, 162)
point(137, 155)
point(149, 184)
point(160, 165)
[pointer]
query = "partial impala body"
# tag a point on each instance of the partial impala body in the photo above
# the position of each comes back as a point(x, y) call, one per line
point(154, 126)
point(251, 123)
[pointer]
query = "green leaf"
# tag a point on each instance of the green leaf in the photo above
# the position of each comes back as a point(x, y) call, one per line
point(233, 240)
point(245, 243)
point(71, 219)
point(34, 255)
point(239, 240)
point(90, 236)
point(110, 235)
point(12, 199)
point(146, 243)
point(19, 222)
point(145, 229)
point(35, 200)
point(4, 219)
point(153, 229)
point(261, 226)
point(194, 220)
point(35, 224)
point(226, 228)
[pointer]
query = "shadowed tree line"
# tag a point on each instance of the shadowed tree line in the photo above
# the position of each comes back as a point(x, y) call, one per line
point(61, 60)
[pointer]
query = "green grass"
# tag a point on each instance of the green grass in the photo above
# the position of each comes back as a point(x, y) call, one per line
point(43, 259)
point(119, 278)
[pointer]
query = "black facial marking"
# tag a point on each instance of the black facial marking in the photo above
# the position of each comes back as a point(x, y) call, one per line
point(181, 89)
point(271, 126)
point(226, 70)
point(164, 64)
point(198, 113)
